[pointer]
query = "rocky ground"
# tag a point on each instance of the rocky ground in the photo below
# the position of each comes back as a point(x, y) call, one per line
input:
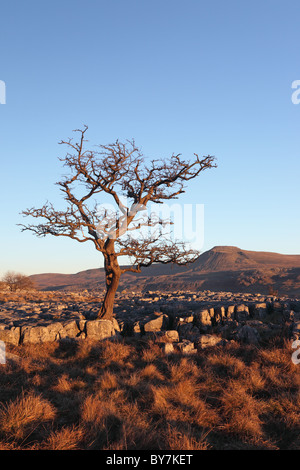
point(184, 321)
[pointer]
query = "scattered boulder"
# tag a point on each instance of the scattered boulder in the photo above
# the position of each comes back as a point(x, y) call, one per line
point(168, 336)
point(136, 328)
point(207, 341)
point(296, 330)
point(295, 306)
point(171, 318)
point(186, 347)
point(203, 319)
point(41, 334)
point(277, 307)
point(241, 313)
point(167, 348)
point(289, 315)
point(116, 325)
point(99, 329)
point(10, 335)
point(188, 331)
point(81, 325)
point(230, 311)
point(219, 314)
point(247, 334)
point(260, 311)
point(69, 330)
point(157, 323)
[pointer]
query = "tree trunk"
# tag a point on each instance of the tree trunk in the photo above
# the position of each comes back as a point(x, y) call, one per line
point(112, 275)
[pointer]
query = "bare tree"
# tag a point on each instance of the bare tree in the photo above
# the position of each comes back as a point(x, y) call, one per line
point(17, 281)
point(120, 171)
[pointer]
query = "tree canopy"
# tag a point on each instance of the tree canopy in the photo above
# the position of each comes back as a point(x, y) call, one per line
point(120, 171)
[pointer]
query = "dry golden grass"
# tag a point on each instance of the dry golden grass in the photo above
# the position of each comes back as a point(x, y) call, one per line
point(21, 417)
point(68, 438)
point(185, 439)
point(126, 395)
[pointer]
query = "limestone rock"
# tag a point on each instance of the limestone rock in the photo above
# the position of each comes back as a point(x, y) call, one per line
point(81, 325)
point(116, 325)
point(242, 312)
point(219, 314)
point(41, 334)
point(189, 331)
point(207, 341)
point(10, 335)
point(203, 319)
point(99, 329)
point(260, 310)
point(136, 328)
point(69, 330)
point(248, 334)
point(167, 348)
point(277, 307)
point(296, 330)
point(169, 336)
point(156, 324)
point(230, 311)
point(186, 347)
point(288, 315)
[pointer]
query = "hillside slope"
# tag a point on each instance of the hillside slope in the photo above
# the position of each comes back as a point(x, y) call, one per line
point(223, 268)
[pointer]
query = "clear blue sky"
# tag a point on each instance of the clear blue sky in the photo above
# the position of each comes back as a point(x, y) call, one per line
point(210, 77)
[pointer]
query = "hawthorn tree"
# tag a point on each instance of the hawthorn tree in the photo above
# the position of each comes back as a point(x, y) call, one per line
point(17, 281)
point(121, 171)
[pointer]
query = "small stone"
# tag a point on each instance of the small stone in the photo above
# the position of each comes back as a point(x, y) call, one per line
point(188, 331)
point(69, 330)
point(230, 311)
point(219, 314)
point(260, 310)
point(203, 318)
point(11, 335)
point(157, 324)
point(99, 329)
point(167, 348)
point(186, 347)
point(207, 341)
point(248, 334)
point(169, 336)
point(241, 312)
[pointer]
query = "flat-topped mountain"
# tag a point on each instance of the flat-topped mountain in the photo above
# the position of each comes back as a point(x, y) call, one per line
point(222, 258)
point(223, 268)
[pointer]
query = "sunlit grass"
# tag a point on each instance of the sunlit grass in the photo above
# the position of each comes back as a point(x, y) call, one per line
point(127, 395)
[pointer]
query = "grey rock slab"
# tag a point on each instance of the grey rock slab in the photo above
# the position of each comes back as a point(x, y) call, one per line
point(203, 318)
point(248, 334)
point(188, 331)
point(99, 329)
point(168, 336)
point(207, 341)
point(242, 312)
point(185, 347)
point(41, 334)
point(156, 324)
point(11, 335)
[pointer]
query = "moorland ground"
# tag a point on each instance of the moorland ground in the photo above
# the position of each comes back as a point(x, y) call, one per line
point(127, 394)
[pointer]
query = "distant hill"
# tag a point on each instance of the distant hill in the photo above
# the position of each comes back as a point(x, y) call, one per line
point(222, 258)
point(223, 268)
